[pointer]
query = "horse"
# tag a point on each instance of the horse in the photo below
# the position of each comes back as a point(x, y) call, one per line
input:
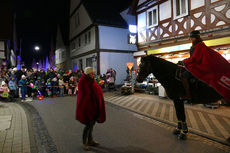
point(165, 72)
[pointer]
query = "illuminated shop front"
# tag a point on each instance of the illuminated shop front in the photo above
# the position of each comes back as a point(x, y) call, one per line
point(180, 52)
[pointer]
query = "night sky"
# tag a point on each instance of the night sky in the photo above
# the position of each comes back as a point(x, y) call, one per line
point(37, 21)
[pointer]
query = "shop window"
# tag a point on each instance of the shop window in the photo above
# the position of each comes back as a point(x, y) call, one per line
point(152, 17)
point(180, 8)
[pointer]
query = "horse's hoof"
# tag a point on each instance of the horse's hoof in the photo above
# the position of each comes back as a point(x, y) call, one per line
point(176, 131)
point(182, 136)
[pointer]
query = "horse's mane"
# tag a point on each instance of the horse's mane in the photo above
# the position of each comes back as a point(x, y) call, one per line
point(162, 66)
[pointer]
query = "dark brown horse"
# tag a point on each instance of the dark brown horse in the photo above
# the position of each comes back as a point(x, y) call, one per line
point(165, 73)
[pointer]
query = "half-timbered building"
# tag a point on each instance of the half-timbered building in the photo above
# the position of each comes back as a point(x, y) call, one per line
point(164, 26)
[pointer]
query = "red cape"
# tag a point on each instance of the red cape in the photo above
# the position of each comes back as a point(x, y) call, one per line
point(210, 67)
point(90, 101)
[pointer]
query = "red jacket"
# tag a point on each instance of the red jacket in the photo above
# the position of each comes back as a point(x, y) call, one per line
point(90, 101)
point(210, 67)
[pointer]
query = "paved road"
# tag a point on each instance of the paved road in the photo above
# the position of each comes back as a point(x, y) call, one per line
point(123, 132)
point(211, 123)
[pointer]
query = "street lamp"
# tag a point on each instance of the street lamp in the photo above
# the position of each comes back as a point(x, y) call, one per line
point(37, 48)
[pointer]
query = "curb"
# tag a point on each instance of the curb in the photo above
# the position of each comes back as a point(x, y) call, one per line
point(39, 135)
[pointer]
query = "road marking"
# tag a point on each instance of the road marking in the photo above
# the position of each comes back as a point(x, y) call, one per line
point(142, 104)
point(147, 107)
point(155, 109)
point(222, 130)
point(128, 102)
point(226, 120)
point(111, 98)
point(192, 119)
point(138, 102)
point(125, 100)
point(205, 123)
point(117, 100)
point(131, 103)
point(163, 111)
point(171, 111)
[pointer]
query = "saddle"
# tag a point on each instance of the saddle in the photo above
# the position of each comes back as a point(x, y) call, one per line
point(178, 73)
point(178, 76)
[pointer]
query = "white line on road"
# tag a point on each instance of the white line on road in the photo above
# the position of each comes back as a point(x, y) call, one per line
point(156, 106)
point(192, 119)
point(222, 130)
point(205, 123)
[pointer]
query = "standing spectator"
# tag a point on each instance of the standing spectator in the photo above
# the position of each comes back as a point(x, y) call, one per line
point(54, 84)
point(90, 106)
point(71, 85)
point(51, 74)
point(13, 87)
point(23, 86)
point(61, 87)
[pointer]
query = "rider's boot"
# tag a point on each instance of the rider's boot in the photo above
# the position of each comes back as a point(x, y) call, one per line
point(177, 130)
point(187, 90)
point(184, 127)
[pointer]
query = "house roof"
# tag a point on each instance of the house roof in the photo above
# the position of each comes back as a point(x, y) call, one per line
point(103, 13)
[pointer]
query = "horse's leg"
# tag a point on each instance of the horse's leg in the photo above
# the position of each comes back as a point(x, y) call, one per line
point(180, 113)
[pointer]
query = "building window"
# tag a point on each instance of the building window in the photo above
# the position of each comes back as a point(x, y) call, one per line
point(80, 64)
point(86, 40)
point(63, 55)
point(73, 46)
point(77, 20)
point(89, 62)
point(79, 42)
point(180, 8)
point(152, 17)
point(89, 36)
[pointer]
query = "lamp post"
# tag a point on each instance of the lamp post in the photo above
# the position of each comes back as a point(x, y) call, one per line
point(36, 48)
point(37, 65)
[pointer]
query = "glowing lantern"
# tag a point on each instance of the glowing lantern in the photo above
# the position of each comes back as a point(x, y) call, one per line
point(130, 65)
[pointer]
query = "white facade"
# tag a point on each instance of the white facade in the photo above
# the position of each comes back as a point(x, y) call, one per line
point(114, 38)
point(79, 21)
point(90, 43)
point(117, 61)
point(61, 52)
point(86, 44)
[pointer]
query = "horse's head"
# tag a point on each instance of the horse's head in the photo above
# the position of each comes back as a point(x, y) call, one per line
point(144, 68)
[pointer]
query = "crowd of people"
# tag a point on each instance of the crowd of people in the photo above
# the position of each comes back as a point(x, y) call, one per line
point(51, 82)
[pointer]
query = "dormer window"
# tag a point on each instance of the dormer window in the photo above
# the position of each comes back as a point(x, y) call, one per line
point(180, 8)
point(152, 17)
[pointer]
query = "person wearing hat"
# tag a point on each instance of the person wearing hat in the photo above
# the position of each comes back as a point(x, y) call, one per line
point(208, 66)
point(23, 85)
point(90, 106)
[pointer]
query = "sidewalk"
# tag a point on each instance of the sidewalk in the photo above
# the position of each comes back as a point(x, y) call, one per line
point(211, 123)
point(14, 134)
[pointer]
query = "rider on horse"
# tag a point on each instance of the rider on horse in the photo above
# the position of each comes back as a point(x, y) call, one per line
point(208, 66)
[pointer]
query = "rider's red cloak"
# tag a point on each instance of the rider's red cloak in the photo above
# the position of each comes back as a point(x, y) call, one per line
point(210, 67)
point(90, 101)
